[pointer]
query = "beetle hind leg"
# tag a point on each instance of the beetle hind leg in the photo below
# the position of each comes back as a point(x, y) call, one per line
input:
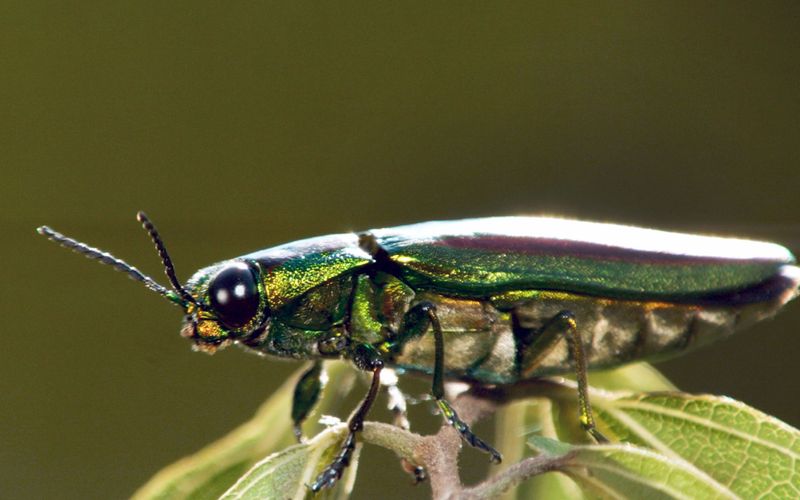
point(564, 325)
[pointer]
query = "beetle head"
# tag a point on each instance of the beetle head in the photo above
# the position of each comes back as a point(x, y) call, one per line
point(223, 303)
point(231, 304)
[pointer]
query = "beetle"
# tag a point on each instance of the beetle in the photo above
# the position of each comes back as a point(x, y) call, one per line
point(489, 301)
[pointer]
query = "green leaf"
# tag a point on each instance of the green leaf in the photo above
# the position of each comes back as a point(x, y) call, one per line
point(735, 448)
point(558, 419)
point(211, 471)
point(514, 423)
point(626, 471)
point(548, 446)
point(639, 377)
point(741, 448)
point(287, 473)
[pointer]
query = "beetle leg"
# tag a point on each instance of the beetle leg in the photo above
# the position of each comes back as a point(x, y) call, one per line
point(365, 357)
point(306, 394)
point(561, 325)
point(429, 317)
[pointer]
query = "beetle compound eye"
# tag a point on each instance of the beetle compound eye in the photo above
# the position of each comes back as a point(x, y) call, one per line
point(234, 295)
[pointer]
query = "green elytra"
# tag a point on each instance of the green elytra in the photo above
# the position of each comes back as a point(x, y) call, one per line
point(487, 301)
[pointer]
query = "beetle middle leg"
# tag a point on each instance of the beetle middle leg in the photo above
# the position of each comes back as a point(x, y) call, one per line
point(420, 318)
point(564, 325)
point(365, 357)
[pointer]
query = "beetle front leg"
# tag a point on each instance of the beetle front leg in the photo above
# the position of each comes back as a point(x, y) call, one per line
point(420, 317)
point(367, 358)
point(306, 394)
point(564, 325)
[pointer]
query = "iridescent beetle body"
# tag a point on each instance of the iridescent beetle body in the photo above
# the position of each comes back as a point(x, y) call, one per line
point(489, 301)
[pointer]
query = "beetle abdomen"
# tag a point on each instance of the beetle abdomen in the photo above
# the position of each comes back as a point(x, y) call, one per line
point(480, 257)
point(483, 345)
point(615, 332)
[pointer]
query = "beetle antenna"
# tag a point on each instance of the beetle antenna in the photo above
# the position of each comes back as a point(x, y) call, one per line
point(105, 258)
point(162, 252)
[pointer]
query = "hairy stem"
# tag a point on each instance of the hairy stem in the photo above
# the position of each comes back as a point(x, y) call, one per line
point(438, 453)
point(511, 477)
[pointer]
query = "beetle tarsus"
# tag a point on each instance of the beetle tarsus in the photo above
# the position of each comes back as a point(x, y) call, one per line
point(451, 417)
point(420, 474)
point(417, 472)
point(333, 472)
point(298, 432)
point(597, 435)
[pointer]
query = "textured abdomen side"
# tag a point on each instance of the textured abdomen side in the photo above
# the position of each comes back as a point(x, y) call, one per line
point(615, 332)
point(482, 346)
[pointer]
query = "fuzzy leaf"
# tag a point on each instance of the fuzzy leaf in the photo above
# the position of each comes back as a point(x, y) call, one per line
point(558, 420)
point(287, 473)
point(741, 448)
point(623, 470)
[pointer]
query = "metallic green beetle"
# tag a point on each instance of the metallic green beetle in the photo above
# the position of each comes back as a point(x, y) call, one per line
point(487, 301)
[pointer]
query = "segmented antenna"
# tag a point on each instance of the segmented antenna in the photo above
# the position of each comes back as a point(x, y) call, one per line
point(104, 257)
point(162, 252)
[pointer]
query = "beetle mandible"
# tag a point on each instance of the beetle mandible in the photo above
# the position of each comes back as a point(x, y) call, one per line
point(488, 301)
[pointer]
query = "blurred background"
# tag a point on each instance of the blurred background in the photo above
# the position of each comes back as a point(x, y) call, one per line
point(238, 127)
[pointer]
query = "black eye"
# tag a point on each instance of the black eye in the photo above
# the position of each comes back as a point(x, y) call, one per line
point(234, 295)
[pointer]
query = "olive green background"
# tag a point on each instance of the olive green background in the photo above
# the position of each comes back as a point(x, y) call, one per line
point(238, 126)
